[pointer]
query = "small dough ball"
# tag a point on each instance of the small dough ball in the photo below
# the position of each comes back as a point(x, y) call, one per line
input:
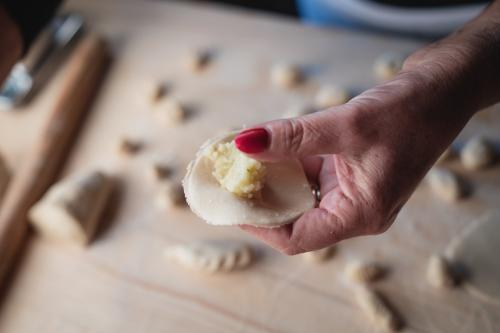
point(388, 65)
point(364, 271)
point(331, 95)
point(160, 170)
point(446, 184)
point(286, 75)
point(129, 146)
point(440, 273)
point(170, 111)
point(197, 60)
point(170, 195)
point(320, 255)
point(4, 177)
point(298, 110)
point(377, 309)
point(157, 91)
point(477, 154)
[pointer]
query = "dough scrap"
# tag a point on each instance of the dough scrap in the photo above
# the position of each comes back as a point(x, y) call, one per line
point(388, 65)
point(446, 184)
point(211, 256)
point(286, 75)
point(129, 146)
point(197, 60)
point(285, 196)
point(375, 306)
point(161, 170)
point(4, 177)
point(331, 95)
point(320, 255)
point(440, 273)
point(476, 250)
point(170, 111)
point(171, 194)
point(364, 271)
point(71, 208)
point(478, 153)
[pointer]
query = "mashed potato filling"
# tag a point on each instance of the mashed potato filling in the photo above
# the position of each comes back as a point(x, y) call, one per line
point(235, 171)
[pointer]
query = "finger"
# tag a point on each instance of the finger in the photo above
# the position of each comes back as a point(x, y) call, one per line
point(312, 166)
point(324, 132)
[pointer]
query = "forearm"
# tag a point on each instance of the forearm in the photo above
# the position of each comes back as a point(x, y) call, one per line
point(10, 43)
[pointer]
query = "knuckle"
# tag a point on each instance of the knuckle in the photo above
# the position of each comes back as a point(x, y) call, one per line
point(293, 135)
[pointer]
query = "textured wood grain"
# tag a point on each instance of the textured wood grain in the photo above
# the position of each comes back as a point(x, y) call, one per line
point(123, 284)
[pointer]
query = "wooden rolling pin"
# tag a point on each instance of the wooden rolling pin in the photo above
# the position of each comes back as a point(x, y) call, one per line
point(82, 74)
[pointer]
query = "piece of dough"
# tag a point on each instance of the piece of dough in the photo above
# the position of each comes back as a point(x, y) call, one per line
point(320, 255)
point(364, 271)
point(286, 75)
point(170, 194)
point(285, 196)
point(331, 95)
point(476, 250)
point(197, 60)
point(477, 154)
point(375, 306)
point(71, 208)
point(160, 170)
point(157, 91)
point(211, 256)
point(170, 111)
point(129, 146)
point(440, 273)
point(446, 184)
point(4, 177)
point(388, 65)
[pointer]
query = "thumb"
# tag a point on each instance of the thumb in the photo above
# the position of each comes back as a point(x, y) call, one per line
point(324, 132)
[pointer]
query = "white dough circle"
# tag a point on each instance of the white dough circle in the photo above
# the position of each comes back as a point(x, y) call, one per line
point(477, 251)
point(285, 196)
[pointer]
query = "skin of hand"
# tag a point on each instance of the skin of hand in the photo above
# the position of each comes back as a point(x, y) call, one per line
point(368, 155)
point(10, 44)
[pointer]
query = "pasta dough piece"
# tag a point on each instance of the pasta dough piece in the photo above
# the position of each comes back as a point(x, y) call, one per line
point(476, 251)
point(160, 170)
point(388, 65)
point(4, 177)
point(440, 273)
point(157, 91)
point(375, 306)
point(170, 111)
point(211, 256)
point(477, 154)
point(330, 95)
point(285, 196)
point(71, 209)
point(446, 184)
point(130, 146)
point(364, 271)
point(320, 255)
point(286, 75)
point(171, 194)
point(197, 60)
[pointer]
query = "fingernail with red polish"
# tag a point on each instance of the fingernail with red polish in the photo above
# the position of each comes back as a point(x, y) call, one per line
point(252, 141)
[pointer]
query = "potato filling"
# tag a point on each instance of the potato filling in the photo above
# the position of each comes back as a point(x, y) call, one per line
point(235, 171)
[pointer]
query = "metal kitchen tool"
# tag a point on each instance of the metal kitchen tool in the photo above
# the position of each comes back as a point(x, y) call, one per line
point(29, 74)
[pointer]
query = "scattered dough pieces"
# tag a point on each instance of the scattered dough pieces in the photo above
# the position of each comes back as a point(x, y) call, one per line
point(130, 146)
point(286, 75)
point(170, 111)
point(197, 60)
point(331, 95)
point(320, 255)
point(285, 196)
point(388, 65)
point(440, 273)
point(4, 177)
point(377, 309)
point(71, 209)
point(298, 110)
point(476, 251)
point(171, 194)
point(212, 256)
point(446, 184)
point(477, 154)
point(364, 271)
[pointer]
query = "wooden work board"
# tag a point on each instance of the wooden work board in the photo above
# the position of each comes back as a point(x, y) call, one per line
point(122, 283)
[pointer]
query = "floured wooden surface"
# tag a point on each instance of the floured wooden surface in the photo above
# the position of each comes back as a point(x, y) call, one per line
point(122, 283)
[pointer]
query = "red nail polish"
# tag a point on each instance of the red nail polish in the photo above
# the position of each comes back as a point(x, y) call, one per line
point(252, 141)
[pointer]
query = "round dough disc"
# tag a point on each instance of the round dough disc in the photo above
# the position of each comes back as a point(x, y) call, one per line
point(286, 194)
point(477, 250)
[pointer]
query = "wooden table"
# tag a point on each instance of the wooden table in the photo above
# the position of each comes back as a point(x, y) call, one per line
point(123, 284)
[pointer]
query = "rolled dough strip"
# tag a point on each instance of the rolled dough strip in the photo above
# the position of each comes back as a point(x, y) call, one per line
point(377, 309)
point(285, 196)
point(477, 250)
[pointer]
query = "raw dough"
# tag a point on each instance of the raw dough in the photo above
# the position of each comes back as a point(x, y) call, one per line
point(170, 111)
point(70, 210)
point(477, 250)
point(285, 75)
point(388, 65)
point(331, 95)
point(286, 194)
point(160, 170)
point(4, 177)
point(364, 271)
point(212, 255)
point(196, 60)
point(440, 273)
point(377, 309)
point(298, 110)
point(446, 184)
point(320, 255)
point(171, 194)
point(477, 154)
point(130, 146)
